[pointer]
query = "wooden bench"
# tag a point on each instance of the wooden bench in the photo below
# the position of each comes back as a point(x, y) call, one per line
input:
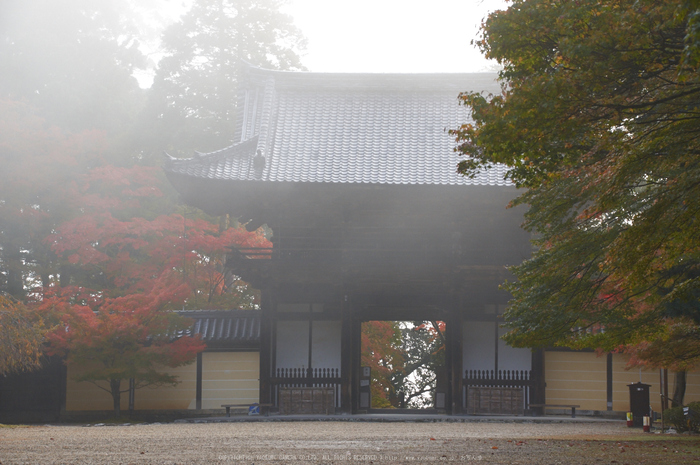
point(229, 406)
point(546, 406)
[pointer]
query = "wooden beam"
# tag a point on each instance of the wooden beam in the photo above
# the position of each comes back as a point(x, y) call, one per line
point(267, 303)
point(356, 335)
point(346, 355)
point(609, 380)
point(455, 365)
point(537, 394)
point(198, 388)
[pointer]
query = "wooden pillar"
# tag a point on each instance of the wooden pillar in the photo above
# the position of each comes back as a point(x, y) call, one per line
point(198, 388)
point(356, 362)
point(665, 403)
point(63, 393)
point(537, 392)
point(266, 315)
point(346, 356)
point(609, 380)
point(132, 395)
point(454, 363)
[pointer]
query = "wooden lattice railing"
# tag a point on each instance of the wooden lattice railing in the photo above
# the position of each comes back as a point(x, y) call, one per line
point(499, 379)
point(307, 377)
point(503, 378)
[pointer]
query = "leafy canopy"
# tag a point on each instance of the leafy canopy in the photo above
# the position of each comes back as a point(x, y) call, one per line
point(194, 92)
point(599, 120)
point(405, 359)
point(21, 337)
point(125, 265)
point(39, 165)
point(73, 60)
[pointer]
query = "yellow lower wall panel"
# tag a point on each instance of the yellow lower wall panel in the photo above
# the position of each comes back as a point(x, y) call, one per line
point(87, 396)
point(692, 386)
point(230, 378)
point(623, 376)
point(181, 396)
point(234, 384)
point(577, 378)
point(227, 378)
point(581, 378)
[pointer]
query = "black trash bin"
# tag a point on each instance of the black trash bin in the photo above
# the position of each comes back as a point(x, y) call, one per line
point(639, 402)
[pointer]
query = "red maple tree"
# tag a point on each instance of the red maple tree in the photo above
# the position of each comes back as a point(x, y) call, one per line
point(125, 267)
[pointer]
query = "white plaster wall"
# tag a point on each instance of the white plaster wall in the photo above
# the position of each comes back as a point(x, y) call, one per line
point(292, 344)
point(478, 345)
point(510, 358)
point(326, 344)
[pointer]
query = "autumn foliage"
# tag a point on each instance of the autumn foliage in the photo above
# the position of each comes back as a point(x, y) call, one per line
point(124, 267)
point(40, 163)
point(598, 122)
point(21, 337)
point(404, 359)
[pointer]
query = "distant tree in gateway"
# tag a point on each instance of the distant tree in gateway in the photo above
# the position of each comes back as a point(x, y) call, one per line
point(194, 94)
point(423, 343)
point(598, 121)
point(381, 352)
point(405, 359)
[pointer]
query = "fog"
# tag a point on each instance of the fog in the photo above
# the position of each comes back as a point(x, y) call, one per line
point(92, 86)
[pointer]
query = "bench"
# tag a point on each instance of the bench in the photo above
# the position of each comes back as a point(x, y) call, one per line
point(546, 406)
point(229, 406)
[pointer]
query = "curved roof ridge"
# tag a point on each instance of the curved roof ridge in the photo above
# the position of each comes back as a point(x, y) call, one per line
point(238, 148)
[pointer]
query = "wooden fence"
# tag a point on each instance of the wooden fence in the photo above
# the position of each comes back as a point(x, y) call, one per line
point(509, 379)
point(306, 377)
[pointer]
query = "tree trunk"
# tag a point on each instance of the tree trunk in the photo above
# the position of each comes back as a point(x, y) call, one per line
point(679, 389)
point(64, 276)
point(15, 273)
point(115, 385)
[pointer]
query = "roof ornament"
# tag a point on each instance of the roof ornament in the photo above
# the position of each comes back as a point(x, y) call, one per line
point(258, 164)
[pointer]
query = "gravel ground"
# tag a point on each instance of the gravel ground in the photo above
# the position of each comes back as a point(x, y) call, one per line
point(275, 443)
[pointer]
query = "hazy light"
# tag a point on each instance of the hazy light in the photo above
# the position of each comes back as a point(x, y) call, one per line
point(392, 35)
point(380, 36)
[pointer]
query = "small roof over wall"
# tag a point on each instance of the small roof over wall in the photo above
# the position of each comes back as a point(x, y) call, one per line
point(345, 128)
point(226, 329)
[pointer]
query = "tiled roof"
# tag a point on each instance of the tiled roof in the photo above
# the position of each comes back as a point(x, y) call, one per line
point(346, 128)
point(225, 328)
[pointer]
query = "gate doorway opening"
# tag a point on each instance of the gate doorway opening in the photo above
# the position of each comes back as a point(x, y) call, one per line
point(407, 364)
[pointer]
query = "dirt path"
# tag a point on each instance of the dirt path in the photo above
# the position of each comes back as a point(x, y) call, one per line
point(344, 442)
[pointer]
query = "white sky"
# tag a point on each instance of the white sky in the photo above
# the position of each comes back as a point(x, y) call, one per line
point(392, 36)
point(385, 36)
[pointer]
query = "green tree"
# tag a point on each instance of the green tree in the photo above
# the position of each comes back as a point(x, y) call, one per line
point(598, 119)
point(72, 60)
point(423, 346)
point(405, 359)
point(193, 98)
